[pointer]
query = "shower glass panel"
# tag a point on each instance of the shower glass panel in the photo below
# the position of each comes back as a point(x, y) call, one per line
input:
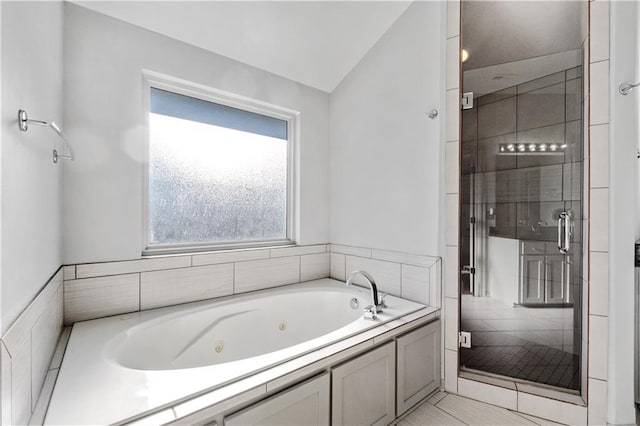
point(522, 192)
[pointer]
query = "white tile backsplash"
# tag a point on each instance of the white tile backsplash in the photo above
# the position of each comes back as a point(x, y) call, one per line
point(98, 297)
point(231, 256)
point(350, 250)
point(26, 350)
point(5, 385)
point(259, 274)
point(338, 266)
point(413, 276)
point(406, 258)
point(21, 328)
point(21, 384)
point(314, 266)
point(90, 270)
point(174, 286)
point(42, 401)
point(386, 274)
point(298, 251)
point(415, 284)
point(44, 337)
point(61, 346)
point(69, 272)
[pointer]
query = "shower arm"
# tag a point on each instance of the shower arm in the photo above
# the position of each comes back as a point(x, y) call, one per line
point(23, 125)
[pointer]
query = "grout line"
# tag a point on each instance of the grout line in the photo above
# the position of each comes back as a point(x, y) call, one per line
point(139, 291)
point(451, 414)
point(233, 281)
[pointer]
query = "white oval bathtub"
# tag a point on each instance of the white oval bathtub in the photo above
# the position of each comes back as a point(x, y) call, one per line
point(246, 328)
point(117, 367)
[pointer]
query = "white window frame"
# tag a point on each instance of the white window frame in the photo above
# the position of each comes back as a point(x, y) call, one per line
point(151, 79)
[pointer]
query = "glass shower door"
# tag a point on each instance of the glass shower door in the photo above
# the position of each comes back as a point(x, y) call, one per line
point(521, 222)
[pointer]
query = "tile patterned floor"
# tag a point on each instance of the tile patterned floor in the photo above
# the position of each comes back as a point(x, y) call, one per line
point(448, 409)
point(530, 344)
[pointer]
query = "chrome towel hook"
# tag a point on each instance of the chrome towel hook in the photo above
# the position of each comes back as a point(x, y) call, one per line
point(23, 125)
point(626, 88)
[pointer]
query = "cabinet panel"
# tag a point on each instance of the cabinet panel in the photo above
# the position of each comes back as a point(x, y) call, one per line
point(363, 389)
point(532, 279)
point(418, 371)
point(305, 404)
point(556, 279)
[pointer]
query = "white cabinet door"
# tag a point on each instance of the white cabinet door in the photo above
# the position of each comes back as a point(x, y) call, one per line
point(418, 365)
point(305, 404)
point(363, 389)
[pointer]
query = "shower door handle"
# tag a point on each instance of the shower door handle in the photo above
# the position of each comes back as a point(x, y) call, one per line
point(563, 232)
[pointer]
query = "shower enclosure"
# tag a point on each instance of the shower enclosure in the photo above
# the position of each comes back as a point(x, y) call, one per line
point(522, 190)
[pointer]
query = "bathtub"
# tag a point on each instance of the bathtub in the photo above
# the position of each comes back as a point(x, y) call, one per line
point(119, 367)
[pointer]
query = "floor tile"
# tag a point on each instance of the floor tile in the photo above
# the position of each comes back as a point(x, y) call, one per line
point(427, 415)
point(477, 413)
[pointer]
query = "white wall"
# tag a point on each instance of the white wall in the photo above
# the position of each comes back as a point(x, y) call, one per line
point(31, 184)
point(384, 150)
point(624, 135)
point(103, 61)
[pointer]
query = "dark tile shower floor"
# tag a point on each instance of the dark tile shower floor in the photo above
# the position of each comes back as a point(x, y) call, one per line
point(528, 344)
point(522, 360)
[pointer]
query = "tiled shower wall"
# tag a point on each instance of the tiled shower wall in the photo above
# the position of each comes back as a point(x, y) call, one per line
point(596, 328)
point(525, 190)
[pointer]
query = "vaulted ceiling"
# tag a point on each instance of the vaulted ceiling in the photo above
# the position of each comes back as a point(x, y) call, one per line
point(313, 42)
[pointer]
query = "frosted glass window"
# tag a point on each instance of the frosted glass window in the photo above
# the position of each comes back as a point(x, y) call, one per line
point(216, 174)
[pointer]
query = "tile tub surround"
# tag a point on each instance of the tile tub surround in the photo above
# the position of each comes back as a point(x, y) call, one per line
point(96, 290)
point(26, 352)
point(411, 276)
point(270, 379)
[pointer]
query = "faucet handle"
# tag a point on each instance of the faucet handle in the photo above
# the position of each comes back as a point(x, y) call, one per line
point(371, 312)
point(382, 304)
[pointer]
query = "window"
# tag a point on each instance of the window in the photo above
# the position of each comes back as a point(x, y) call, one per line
point(219, 171)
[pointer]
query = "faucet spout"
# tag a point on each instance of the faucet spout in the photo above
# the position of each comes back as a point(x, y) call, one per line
point(372, 284)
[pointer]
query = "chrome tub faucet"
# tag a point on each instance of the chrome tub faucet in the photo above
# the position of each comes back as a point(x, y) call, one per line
point(376, 306)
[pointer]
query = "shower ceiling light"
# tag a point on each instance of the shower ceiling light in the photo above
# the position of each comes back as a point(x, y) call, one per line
point(464, 55)
point(531, 148)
